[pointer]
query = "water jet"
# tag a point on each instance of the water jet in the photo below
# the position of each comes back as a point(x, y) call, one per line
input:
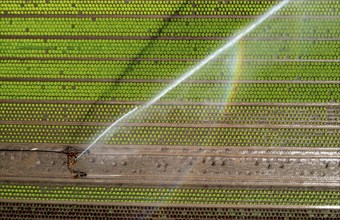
point(185, 76)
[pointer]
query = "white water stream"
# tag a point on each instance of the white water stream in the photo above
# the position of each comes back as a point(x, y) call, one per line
point(227, 46)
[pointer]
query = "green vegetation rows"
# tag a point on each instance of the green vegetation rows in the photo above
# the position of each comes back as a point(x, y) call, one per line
point(170, 195)
point(172, 136)
point(127, 52)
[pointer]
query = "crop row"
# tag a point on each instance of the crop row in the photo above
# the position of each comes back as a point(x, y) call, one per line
point(185, 27)
point(176, 49)
point(93, 69)
point(172, 195)
point(193, 92)
point(288, 47)
point(122, 26)
point(310, 7)
point(127, 212)
point(99, 190)
point(149, 70)
point(180, 136)
point(107, 48)
point(171, 114)
point(122, 7)
point(298, 28)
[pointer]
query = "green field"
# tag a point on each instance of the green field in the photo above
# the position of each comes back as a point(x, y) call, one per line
point(86, 52)
point(69, 69)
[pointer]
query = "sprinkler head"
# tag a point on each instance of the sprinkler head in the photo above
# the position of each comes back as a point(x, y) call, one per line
point(72, 158)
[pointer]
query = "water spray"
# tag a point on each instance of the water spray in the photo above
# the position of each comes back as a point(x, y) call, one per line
point(104, 132)
point(228, 45)
point(231, 43)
